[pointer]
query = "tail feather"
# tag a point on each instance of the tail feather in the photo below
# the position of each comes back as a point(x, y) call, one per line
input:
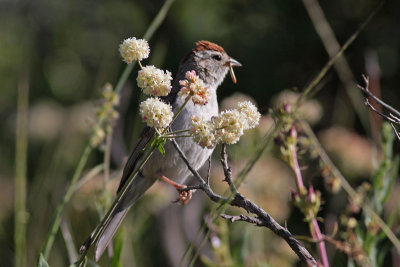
point(139, 185)
point(108, 232)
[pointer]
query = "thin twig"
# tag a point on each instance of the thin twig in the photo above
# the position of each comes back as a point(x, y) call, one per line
point(366, 90)
point(392, 120)
point(208, 171)
point(395, 131)
point(227, 169)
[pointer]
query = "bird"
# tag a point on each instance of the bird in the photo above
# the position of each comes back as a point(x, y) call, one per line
point(211, 63)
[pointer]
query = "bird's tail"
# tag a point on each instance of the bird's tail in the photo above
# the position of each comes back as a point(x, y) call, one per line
point(139, 185)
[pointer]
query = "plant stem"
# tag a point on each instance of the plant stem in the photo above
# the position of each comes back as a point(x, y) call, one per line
point(296, 168)
point(174, 136)
point(60, 207)
point(314, 227)
point(21, 215)
point(181, 108)
point(140, 64)
point(317, 235)
point(176, 132)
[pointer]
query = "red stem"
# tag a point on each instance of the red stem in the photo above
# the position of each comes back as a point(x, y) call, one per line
point(314, 227)
point(296, 168)
point(316, 233)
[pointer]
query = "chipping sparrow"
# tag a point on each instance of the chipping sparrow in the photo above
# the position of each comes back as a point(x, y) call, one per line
point(211, 64)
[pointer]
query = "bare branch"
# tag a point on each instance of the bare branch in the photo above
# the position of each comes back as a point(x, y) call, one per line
point(242, 202)
point(263, 218)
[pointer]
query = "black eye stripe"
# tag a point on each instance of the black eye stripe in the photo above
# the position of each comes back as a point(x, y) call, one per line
point(216, 57)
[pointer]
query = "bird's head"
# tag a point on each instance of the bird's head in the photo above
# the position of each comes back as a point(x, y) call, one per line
point(211, 63)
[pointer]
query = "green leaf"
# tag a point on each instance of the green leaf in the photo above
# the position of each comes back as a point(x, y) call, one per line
point(160, 146)
point(161, 149)
point(42, 261)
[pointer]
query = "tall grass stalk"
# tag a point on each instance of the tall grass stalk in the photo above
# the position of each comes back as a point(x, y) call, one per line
point(21, 215)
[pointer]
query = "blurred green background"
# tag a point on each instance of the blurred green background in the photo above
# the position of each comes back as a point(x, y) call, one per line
point(65, 51)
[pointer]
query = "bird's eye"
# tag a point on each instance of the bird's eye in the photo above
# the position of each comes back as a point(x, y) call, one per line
point(216, 57)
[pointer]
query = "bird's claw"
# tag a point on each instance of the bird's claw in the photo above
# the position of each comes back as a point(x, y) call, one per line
point(184, 195)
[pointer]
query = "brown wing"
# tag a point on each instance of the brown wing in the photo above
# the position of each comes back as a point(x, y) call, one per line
point(136, 154)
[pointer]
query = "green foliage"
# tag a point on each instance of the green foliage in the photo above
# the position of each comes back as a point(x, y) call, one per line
point(374, 242)
point(385, 177)
point(159, 144)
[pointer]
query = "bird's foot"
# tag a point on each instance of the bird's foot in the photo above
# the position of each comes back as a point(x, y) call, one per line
point(184, 196)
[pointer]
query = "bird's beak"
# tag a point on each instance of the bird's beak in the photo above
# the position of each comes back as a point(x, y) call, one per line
point(233, 63)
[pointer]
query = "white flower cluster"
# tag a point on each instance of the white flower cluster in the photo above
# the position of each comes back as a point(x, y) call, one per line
point(250, 111)
point(134, 49)
point(156, 113)
point(194, 87)
point(229, 126)
point(154, 81)
point(203, 132)
point(226, 128)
